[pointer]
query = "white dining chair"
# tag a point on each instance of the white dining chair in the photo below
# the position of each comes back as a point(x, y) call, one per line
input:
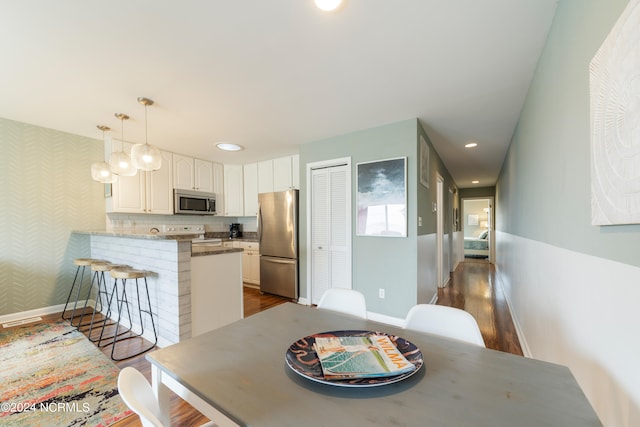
point(137, 394)
point(346, 301)
point(444, 321)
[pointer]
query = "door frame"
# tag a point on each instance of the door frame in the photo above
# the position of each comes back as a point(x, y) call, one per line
point(491, 224)
point(325, 164)
point(440, 249)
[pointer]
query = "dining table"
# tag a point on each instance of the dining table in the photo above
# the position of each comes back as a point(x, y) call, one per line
point(243, 374)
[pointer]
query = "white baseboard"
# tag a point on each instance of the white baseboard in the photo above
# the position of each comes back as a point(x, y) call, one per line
point(389, 320)
point(31, 313)
point(523, 341)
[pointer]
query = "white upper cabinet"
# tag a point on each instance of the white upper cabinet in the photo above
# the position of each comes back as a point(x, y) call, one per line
point(203, 175)
point(145, 192)
point(218, 187)
point(233, 190)
point(265, 176)
point(250, 189)
point(159, 192)
point(192, 174)
point(279, 174)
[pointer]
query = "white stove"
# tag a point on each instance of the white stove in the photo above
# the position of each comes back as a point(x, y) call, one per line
point(187, 229)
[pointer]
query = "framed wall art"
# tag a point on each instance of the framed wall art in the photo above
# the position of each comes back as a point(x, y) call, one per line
point(615, 123)
point(382, 198)
point(424, 162)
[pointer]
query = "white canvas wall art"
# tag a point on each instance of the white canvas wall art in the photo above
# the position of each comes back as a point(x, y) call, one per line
point(615, 123)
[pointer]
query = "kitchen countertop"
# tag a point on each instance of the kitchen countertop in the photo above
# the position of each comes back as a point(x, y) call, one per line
point(202, 249)
point(129, 234)
point(241, 239)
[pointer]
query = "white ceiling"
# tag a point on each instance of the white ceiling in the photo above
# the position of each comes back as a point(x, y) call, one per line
point(271, 75)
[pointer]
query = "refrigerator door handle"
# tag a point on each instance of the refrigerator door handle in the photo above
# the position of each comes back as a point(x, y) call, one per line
point(279, 260)
point(259, 220)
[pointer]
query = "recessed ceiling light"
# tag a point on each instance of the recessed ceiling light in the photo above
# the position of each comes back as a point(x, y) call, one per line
point(226, 146)
point(475, 182)
point(328, 5)
point(471, 145)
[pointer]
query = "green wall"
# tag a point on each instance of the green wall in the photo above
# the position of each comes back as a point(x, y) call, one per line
point(544, 189)
point(379, 262)
point(46, 193)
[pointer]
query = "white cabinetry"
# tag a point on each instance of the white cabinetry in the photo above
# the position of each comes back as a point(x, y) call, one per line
point(218, 187)
point(145, 192)
point(233, 190)
point(192, 174)
point(250, 189)
point(250, 262)
point(159, 194)
point(265, 176)
point(279, 174)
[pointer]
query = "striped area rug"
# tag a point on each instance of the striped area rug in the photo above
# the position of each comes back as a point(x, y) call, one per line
point(52, 375)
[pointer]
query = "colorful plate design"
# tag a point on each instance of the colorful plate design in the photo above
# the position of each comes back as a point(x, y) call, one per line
point(302, 359)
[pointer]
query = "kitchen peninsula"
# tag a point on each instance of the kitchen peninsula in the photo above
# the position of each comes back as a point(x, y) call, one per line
point(191, 293)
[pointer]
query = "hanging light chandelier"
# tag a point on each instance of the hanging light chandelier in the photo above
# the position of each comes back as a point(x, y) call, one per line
point(101, 171)
point(120, 161)
point(144, 156)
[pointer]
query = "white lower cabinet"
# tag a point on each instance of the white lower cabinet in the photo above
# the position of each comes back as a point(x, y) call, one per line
point(250, 260)
point(250, 263)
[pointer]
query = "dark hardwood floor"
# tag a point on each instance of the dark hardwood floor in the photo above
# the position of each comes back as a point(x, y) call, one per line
point(472, 288)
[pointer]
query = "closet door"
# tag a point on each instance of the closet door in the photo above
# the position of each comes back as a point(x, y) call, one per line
point(330, 231)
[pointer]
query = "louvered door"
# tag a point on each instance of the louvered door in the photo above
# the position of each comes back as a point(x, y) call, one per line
point(330, 230)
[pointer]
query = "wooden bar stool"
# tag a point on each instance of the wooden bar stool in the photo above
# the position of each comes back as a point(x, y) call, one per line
point(102, 297)
point(81, 265)
point(98, 267)
point(123, 302)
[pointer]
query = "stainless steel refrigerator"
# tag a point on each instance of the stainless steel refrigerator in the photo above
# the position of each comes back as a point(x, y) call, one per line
point(278, 235)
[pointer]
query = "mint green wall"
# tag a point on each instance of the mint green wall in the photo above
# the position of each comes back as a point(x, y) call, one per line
point(46, 193)
point(428, 195)
point(390, 263)
point(543, 192)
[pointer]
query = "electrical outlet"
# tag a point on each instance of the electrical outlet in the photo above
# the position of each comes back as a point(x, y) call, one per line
point(419, 221)
point(381, 293)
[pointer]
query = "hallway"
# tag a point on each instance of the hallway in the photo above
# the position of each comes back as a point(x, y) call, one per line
point(473, 288)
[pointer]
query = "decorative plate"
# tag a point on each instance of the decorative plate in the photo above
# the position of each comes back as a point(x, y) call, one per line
point(302, 359)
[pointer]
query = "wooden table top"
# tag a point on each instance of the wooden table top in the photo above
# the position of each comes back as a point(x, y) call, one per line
point(240, 370)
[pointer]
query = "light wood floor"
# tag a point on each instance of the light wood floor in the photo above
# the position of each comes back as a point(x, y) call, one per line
point(472, 288)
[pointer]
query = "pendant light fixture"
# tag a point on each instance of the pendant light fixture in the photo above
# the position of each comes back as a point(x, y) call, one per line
point(101, 171)
point(144, 156)
point(120, 161)
point(328, 5)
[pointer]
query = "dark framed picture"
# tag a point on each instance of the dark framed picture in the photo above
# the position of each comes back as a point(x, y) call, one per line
point(382, 198)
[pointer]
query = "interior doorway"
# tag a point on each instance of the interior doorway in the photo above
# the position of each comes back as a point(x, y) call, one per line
point(477, 228)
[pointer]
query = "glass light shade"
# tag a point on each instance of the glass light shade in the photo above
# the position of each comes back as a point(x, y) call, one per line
point(146, 157)
point(121, 164)
point(328, 5)
point(101, 172)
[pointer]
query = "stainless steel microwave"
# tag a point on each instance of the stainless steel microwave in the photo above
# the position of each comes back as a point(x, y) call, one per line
point(194, 202)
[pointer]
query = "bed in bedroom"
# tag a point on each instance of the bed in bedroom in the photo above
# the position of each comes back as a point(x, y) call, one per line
point(477, 247)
